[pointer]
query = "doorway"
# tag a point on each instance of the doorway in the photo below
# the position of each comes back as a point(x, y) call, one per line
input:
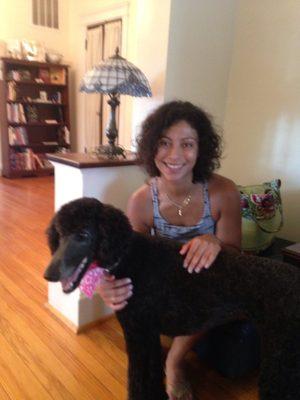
point(101, 42)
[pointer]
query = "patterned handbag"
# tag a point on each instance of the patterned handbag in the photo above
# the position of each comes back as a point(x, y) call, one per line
point(262, 215)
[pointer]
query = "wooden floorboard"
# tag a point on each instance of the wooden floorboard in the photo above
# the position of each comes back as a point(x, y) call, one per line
point(40, 357)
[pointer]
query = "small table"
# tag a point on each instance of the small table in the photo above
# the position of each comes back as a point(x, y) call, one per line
point(283, 250)
point(291, 254)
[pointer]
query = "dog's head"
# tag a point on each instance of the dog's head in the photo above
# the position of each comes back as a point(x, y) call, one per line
point(81, 232)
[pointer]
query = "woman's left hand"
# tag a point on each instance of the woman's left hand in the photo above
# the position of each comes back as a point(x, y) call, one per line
point(200, 252)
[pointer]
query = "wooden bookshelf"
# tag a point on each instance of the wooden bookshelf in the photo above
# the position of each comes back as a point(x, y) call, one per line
point(34, 115)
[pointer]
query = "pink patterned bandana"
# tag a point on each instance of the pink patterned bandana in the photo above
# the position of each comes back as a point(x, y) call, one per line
point(91, 279)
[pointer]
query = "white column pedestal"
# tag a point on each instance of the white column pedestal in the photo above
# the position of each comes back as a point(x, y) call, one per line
point(111, 184)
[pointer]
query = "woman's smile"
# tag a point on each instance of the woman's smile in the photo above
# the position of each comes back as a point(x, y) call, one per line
point(175, 167)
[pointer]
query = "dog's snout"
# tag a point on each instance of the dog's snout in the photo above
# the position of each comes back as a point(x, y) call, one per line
point(52, 273)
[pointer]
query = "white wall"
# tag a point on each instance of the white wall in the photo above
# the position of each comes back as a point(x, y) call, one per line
point(199, 53)
point(262, 122)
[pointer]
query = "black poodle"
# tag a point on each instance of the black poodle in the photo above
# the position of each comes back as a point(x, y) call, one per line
point(170, 301)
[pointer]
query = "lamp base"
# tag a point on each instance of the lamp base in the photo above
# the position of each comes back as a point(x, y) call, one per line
point(110, 151)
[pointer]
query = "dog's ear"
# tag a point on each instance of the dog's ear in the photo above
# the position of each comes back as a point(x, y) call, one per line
point(52, 236)
point(115, 234)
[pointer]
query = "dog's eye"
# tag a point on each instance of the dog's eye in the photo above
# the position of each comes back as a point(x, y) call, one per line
point(84, 235)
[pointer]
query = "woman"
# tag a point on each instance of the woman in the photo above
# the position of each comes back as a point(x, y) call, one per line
point(184, 200)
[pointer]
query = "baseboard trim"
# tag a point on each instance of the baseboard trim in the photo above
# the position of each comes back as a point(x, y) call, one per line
point(76, 329)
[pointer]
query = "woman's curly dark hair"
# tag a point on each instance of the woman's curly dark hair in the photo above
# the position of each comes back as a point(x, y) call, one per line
point(209, 141)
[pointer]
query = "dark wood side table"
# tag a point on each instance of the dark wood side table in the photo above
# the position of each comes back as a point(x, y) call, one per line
point(291, 254)
point(283, 250)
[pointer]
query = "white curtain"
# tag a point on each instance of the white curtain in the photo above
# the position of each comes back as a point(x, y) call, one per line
point(102, 41)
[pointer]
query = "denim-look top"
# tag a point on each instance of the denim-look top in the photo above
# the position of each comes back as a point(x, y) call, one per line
point(161, 227)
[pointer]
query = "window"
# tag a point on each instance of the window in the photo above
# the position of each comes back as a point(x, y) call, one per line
point(45, 13)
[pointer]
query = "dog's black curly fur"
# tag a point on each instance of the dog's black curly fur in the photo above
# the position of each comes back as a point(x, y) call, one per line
point(169, 300)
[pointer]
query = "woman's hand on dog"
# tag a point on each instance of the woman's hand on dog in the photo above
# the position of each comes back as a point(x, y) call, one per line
point(115, 292)
point(200, 252)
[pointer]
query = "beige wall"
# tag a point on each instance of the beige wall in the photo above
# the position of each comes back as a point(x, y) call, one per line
point(16, 24)
point(262, 122)
point(199, 53)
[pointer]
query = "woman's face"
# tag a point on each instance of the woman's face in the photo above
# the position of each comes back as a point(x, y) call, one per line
point(177, 152)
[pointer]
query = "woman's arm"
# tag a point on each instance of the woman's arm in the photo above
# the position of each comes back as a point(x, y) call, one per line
point(225, 206)
point(116, 292)
point(229, 223)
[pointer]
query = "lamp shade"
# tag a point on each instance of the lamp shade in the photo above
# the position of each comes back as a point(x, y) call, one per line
point(116, 76)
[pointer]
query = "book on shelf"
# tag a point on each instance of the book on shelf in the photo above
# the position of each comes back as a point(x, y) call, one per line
point(38, 161)
point(8, 112)
point(60, 115)
point(50, 143)
point(21, 160)
point(51, 121)
point(32, 113)
point(64, 137)
point(28, 160)
point(16, 160)
point(25, 75)
point(19, 75)
point(44, 75)
point(44, 161)
point(13, 75)
point(57, 75)
point(17, 136)
point(21, 111)
point(16, 113)
point(56, 98)
point(11, 91)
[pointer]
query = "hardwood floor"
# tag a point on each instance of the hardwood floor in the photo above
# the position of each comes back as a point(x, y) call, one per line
point(40, 357)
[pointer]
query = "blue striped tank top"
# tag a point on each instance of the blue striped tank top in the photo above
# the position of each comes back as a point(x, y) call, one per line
point(161, 227)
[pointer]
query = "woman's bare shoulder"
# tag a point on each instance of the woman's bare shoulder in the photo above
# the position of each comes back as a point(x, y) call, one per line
point(141, 196)
point(223, 191)
point(224, 196)
point(140, 210)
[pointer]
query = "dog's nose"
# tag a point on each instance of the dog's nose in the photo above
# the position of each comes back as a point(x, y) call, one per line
point(52, 272)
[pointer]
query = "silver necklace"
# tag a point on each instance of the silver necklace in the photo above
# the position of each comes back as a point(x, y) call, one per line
point(181, 206)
